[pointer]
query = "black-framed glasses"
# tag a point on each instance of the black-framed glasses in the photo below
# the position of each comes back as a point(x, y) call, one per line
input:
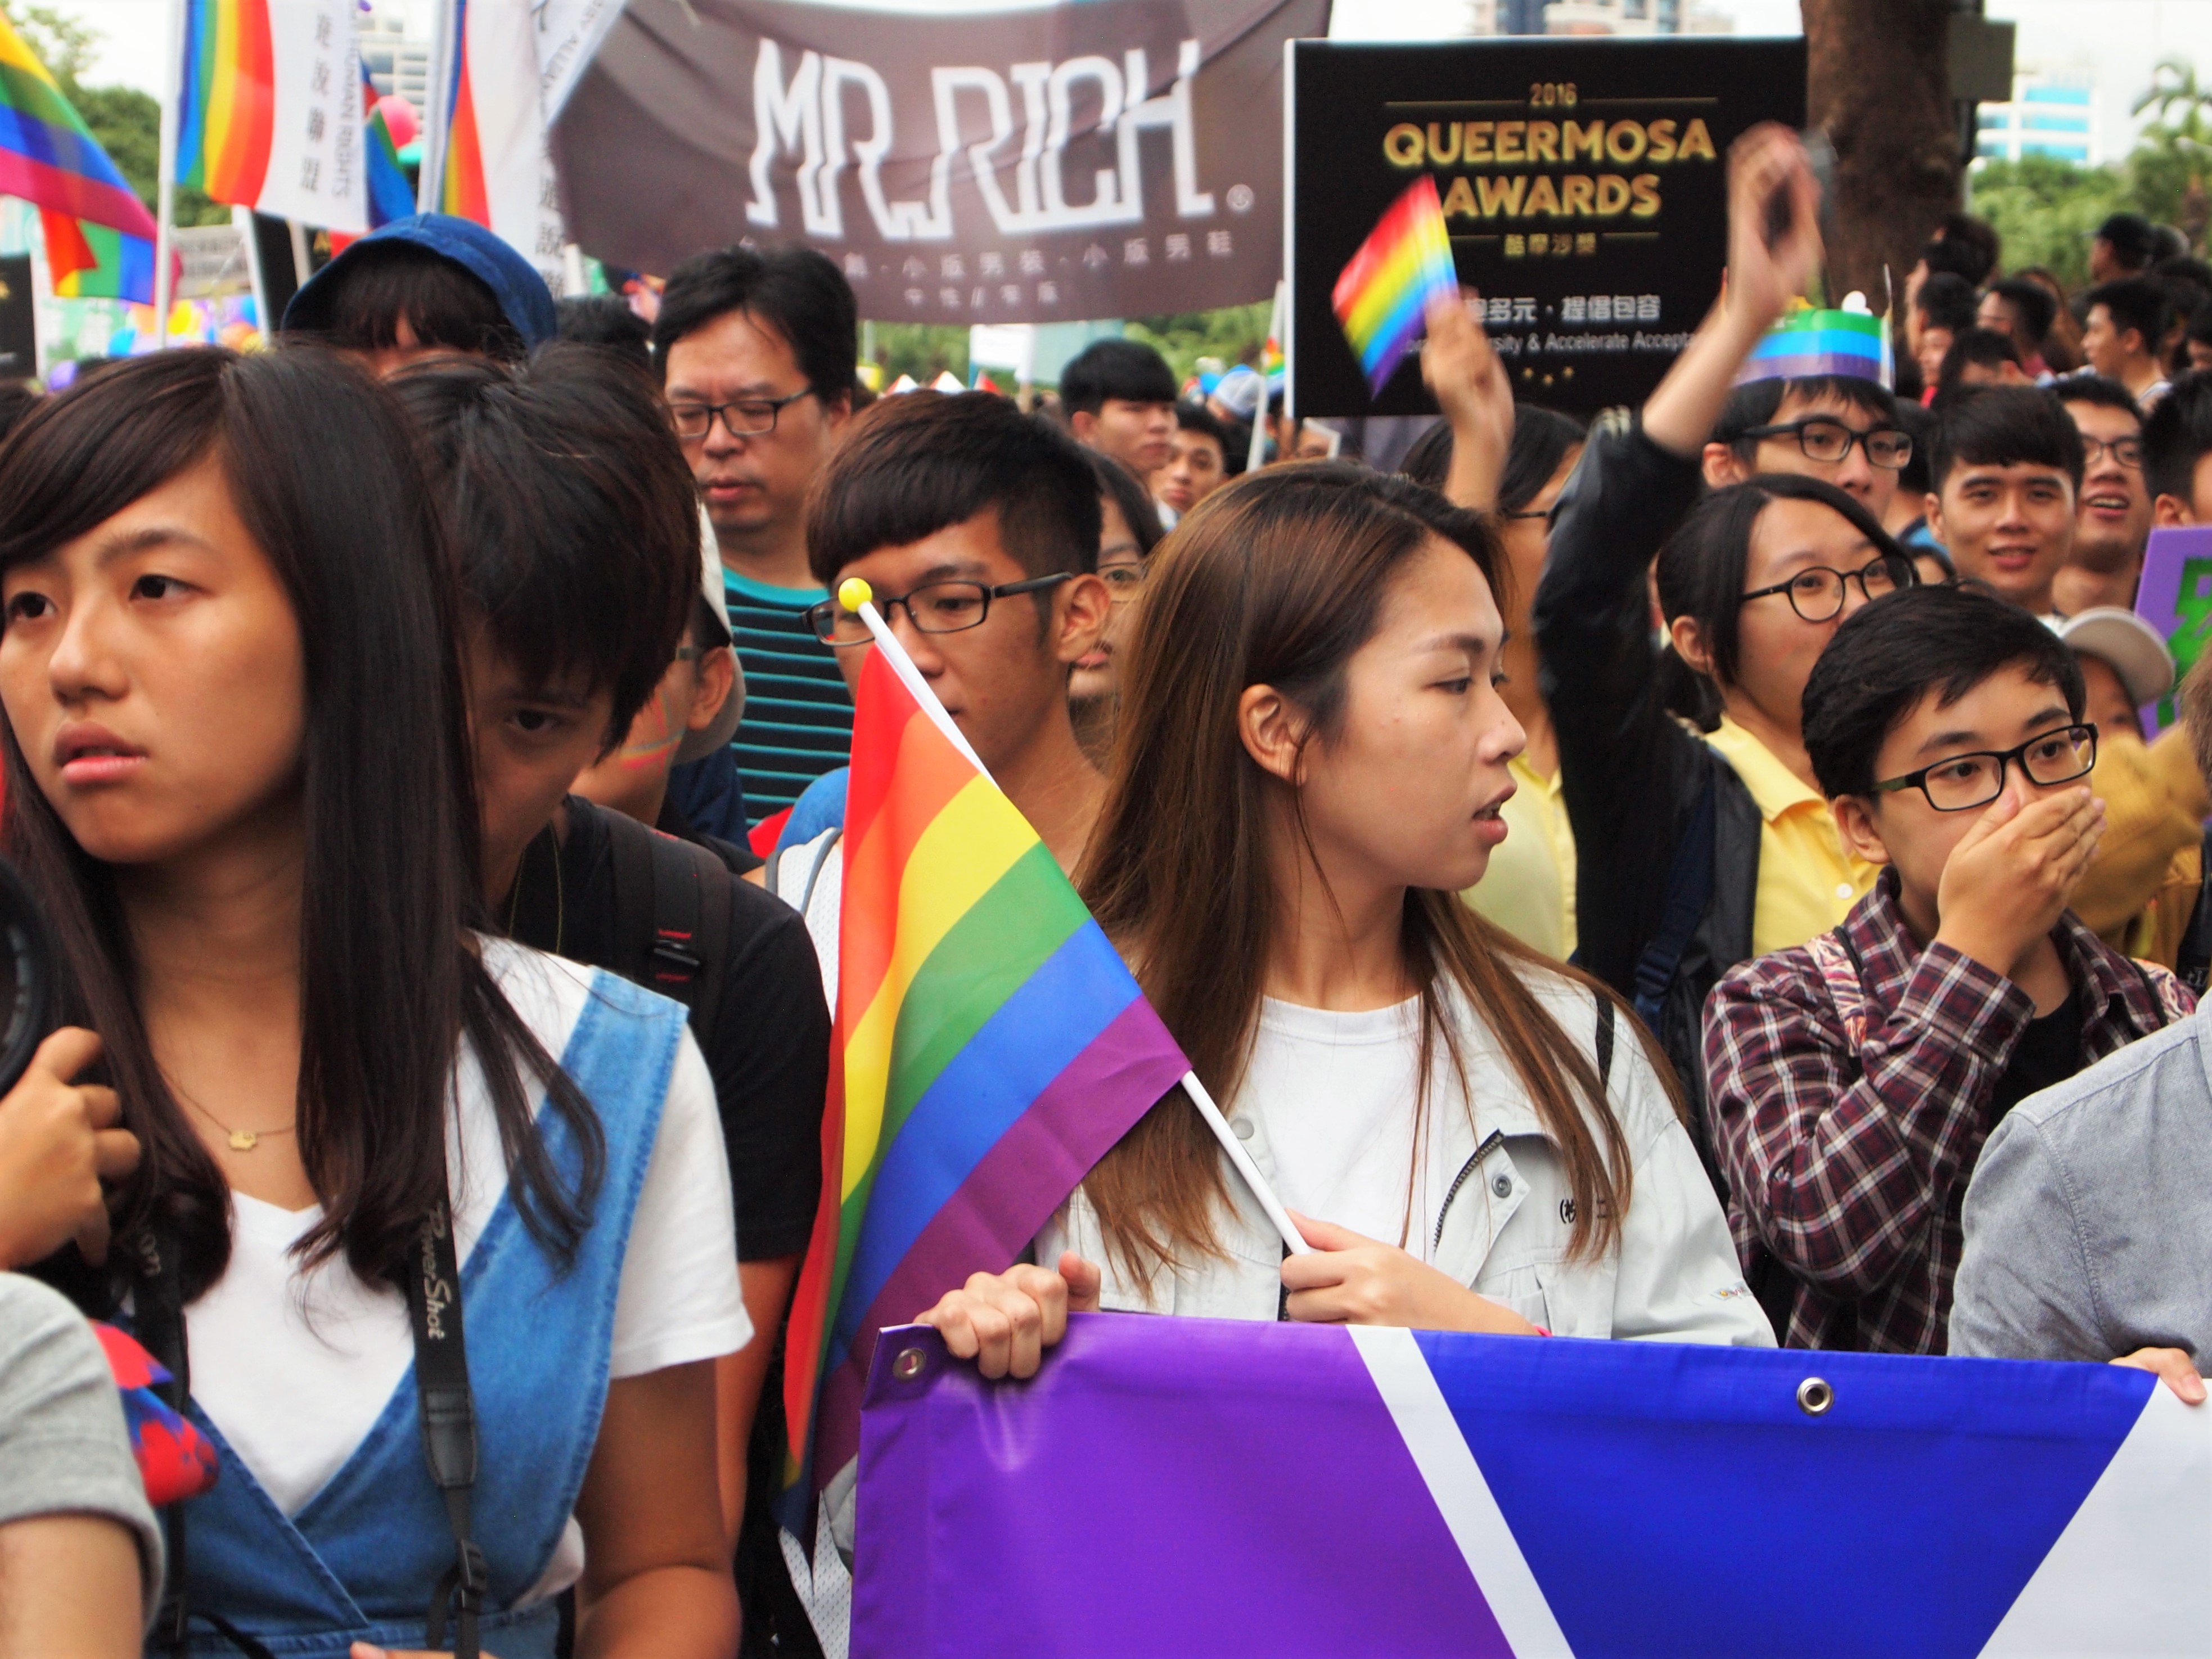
point(744, 418)
point(1531, 512)
point(1828, 441)
point(2127, 452)
point(1962, 782)
point(933, 608)
point(1817, 592)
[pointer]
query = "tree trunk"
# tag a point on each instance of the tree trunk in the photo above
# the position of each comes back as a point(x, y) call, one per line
point(1878, 80)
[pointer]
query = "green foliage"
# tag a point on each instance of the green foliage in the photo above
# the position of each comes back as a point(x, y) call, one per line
point(924, 350)
point(2046, 208)
point(1235, 334)
point(2172, 158)
point(126, 122)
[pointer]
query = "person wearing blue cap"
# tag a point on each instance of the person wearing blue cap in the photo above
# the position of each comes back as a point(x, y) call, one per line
point(427, 284)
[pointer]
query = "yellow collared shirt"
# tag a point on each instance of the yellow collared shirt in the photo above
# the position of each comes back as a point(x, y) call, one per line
point(1808, 882)
point(1530, 887)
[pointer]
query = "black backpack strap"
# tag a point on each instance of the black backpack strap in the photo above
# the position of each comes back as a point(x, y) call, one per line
point(1689, 891)
point(2192, 963)
point(672, 918)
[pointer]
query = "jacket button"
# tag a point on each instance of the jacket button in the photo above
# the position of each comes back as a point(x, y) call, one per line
point(1502, 1186)
point(1243, 1126)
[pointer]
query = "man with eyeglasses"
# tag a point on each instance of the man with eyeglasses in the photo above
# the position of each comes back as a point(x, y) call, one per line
point(2112, 522)
point(2004, 472)
point(1836, 428)
point(756, 354)
point(1853, 1080)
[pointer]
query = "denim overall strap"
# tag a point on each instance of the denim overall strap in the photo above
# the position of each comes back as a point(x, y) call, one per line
point(359, 1562)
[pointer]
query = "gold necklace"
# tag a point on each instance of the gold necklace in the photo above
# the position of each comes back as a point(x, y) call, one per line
point(241, 1140)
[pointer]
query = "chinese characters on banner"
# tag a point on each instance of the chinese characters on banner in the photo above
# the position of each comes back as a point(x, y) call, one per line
point(1031, 165)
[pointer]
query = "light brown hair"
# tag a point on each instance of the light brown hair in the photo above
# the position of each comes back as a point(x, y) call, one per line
point(1277, 580)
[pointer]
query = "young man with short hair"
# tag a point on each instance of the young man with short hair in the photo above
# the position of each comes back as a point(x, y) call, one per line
point(1198, 463)
point(2123, 328)
point(755, 351)
point(2086, 1233)
point(1836, 428)
point(1853, 1080)
point(574, 523)
point(429, 285)
point(2177, 441)
point(2004, 470)
point(2113, 519)
point(2122, 245)
point(960, 496)
point(1979, 357)
point(1119, 397)
point(2024, 311)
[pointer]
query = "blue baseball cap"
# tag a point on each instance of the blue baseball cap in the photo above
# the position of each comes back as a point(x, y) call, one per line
point(524, 298)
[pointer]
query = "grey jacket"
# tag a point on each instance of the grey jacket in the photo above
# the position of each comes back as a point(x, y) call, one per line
point(2088, 1234)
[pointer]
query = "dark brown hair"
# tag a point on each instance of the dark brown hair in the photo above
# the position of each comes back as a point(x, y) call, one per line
point(1279, 579)
point(320, 466)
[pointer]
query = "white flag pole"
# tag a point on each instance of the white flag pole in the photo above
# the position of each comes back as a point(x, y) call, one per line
point(857, 596)
point(165, 191)
point(1258, 451)
point(437, 117)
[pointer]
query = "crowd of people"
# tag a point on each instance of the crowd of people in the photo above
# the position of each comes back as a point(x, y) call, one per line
point(1699, 876)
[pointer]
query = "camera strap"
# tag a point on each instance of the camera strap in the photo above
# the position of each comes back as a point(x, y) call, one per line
point(430, 1279)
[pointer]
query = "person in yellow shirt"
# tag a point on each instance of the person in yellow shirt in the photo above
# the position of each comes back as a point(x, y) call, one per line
point(1529, 890)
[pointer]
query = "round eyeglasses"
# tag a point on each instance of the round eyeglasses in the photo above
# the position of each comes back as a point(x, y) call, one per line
point(1829, 442)
point(1965, 781)
point(933, 608)
point(1817, 592)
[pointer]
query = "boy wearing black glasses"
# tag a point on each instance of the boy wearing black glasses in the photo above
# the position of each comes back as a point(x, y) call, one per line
point(1836, 428)
point(1852, 1081)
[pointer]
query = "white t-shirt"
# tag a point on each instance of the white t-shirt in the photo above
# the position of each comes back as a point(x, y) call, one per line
point(1336, 1093)
point(266, 1336)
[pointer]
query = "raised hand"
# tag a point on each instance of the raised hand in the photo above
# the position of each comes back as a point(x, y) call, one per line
point(1762, 281)
point(1461, 369)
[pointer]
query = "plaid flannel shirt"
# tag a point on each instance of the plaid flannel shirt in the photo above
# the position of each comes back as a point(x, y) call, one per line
point(1849, 1163)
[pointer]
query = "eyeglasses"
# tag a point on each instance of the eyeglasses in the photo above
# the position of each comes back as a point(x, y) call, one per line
point(1817, 593)
point(1537, 513)
point(1828, 441)
point(933, 608)
point(2127, 452)
point(1123, 581)
point(746, 417)
point(1966, 781)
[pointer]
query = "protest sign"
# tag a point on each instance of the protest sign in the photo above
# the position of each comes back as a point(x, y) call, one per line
point(1583, 186)
point(2175, 598)
point(1025, 164)
point(1170, 1486)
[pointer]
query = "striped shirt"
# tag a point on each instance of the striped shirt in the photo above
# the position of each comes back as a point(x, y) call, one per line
point(799, 716)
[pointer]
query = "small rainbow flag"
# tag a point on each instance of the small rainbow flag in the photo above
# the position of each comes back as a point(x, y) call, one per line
point(462, 190)
point(1807, 342)
point(227, 115)
point(1406, 261)
point(990, 1047)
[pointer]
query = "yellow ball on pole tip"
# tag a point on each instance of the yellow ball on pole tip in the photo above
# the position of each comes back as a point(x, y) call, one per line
point(853, 593)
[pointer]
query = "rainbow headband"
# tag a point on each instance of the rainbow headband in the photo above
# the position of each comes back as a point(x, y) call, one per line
point(1809, 342)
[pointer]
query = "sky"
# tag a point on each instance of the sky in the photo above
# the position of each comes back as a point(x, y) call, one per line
point(2116, 43)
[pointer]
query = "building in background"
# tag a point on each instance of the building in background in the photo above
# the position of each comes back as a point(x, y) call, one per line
point(396, 60)
point(2049, 115)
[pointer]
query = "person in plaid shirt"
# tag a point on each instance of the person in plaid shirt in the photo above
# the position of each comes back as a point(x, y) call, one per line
point(1854, 1079)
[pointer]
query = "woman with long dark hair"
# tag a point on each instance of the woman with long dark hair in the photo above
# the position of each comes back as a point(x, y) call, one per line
point(370, 1192)
point(1312, 757)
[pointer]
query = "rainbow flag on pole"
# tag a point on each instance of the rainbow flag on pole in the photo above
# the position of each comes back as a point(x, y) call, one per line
point(989, 1047)
point(268, 115)
point(1406, 261)
point(97, 233)
point(495, 167)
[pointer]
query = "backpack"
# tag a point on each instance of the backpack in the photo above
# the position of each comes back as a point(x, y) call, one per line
point(672, 921)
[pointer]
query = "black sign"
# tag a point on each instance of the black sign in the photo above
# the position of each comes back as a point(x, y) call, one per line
point(1043, 164)
point(18, 328)
point(1583, 182)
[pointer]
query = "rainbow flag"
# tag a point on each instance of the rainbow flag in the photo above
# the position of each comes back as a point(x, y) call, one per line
point(390, 195)
point(49, 158)
point(227, 113)
point(989, 1047)
point(461, 187)
point(1380, 297)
